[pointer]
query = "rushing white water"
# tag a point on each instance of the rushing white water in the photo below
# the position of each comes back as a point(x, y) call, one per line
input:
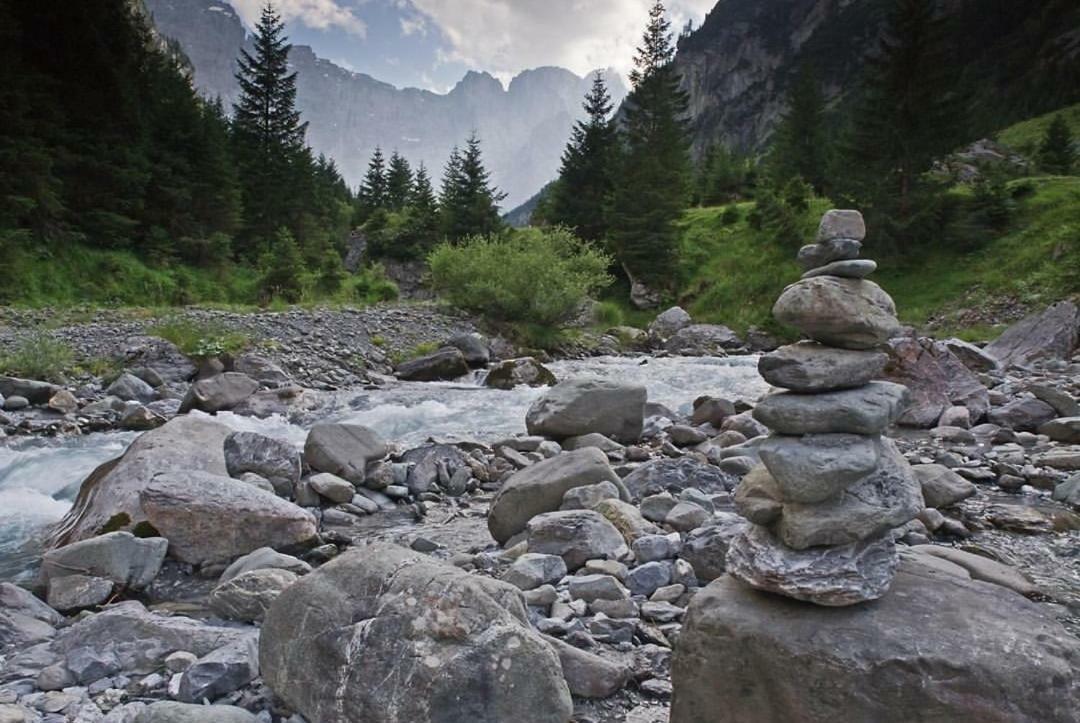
point(39, 477)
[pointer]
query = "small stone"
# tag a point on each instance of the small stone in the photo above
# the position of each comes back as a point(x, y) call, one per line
point(596, 587)
point(532, 570)
point(841, 224)
point(848, 269)
point(179, 661)
point(648, 578)
point(332, 487)
point(686, 516)
point(75, 592)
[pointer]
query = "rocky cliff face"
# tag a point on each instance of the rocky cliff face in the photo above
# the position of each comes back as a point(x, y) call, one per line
point(1013, 59)
point(523, 127)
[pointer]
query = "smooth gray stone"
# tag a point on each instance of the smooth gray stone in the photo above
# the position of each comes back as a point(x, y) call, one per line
point(444, 364)
point(811, 367)
point(841, 224)
point(817, 467)
point(118, 556)
point(343, 449)
point(275, 459)
point(247, 597)
point(846, 313)
point(758, 497)
point(580, 406)
point(847, 269)
point(866, 410)
point(819, 254)
point(172, 712)
point(576, 536)
point(941, 487)
point(219, 392)
point(832, 576)
point(263, 558)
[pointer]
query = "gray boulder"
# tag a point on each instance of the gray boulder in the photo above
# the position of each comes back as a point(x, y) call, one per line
point(211, 518)
point(580, 406)
point(811, 367)
point(108, 499)
point(126, 560)
point(576, 536)
point(936, 648)
point(941, 487)
point(173, 712)
point(588, 674)
point(846, 313)
point(541, 487)
point(1063, 403)
point(24, 619)
point(247, 596)
point(866, 410)
point(443, 645)
point(473, 347)
point(704, 340)
point(841, 224)
point(831, 576)
point(262, 559)
point(937, 380)
point(972, 356)
point(131, 388)
point(161, 356)
point(525, 371)
point(667, 323)
point(261, 369)
point(219, 393)
point(676, 475)
point(443, 365)
point(1052, 334)
point(758, 497)
point(34, 392)
point(274, 459)
point(76, 592)
point(816, 467)
point(222, 671)
point(1022, 415)
point(331, 487)
point(343, 449)
point(432, 464)
point(532, 570)
point(706, 548)
point(1068, 491)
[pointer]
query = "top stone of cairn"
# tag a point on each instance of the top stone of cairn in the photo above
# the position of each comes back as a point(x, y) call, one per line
point(845, 224)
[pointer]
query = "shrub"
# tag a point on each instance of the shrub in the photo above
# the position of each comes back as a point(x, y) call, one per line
point(283, 270)
point(536, 276)
point(200, 339)
point(370, 286)
point(38, 357)
point(730, 216)
point(331, 272)
point(608, 314)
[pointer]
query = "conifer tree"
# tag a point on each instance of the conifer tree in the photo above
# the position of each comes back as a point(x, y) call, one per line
point(269, 132)
point(283, 269)
point(372, 194)
point(469, 204)
point(1056, 154)
point(655, 165)
point(586, 179)
point(399, 182)
point(423, 216)
point(910, 113)
point(799, 146)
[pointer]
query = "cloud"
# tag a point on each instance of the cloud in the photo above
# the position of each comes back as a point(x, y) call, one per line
point(415, 25)
point(316, 14)
point(504, 37)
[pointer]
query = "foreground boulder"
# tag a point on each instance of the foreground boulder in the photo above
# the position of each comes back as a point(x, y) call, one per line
point(108, 499)
point(385, 635)
point(1052, 334)
point(210, 518)
point(540, 488)
point(580, 406)
point(935, 648)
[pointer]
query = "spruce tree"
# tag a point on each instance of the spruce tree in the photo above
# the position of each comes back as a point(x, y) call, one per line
point(422, 225)
point(268, 130)
point(910, 113)
point(372, 194)
point(799, 145)
point(283, 269)
point(580, 199)
point(399, 182)
point(1056, 153)
point(469, 203)
point(654, 169)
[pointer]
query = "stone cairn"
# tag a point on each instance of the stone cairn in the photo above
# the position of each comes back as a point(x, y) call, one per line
point(830, 489)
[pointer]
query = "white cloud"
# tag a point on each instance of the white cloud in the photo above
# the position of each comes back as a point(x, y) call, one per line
point(317, 14)
point(504, 37)
point(413, 25)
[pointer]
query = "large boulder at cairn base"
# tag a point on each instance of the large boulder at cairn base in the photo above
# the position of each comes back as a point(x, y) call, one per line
point(846, 313)
point(937, 380)
point(540, 488)
point(581, 406)
point(1052, 334)
point(385, 635)
point(935, 648)
point(108, 499)
point(211, 518)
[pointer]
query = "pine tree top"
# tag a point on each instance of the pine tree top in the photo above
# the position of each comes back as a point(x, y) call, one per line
point(656, 50)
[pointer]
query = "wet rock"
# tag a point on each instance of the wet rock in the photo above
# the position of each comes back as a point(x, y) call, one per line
point(941, 487)
point(219, 393)
point(384, 613)
point(473, 347)
point(445, 364)
point(210, 518)
point(576, 536)
point(846, 313)
point(247, 596)
point(525, 371)
point(121, 557)
point(736, 650)
point(131, 388)
point(34, 392)
point(1051, 334)
point(667, 323)
point(866, 410)
point(343, 450)
point(580, 406)
point(275, 459)
point(810, 367)
point(541, 487)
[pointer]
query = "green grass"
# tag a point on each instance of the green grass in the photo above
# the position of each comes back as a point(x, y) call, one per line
point(1025, 137)
point(733, 274)
point(200, 340)
point(422, 349)
point(38, 357)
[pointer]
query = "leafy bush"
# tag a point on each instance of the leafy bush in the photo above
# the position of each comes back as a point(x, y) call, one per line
point(370, 286)
point(199, 340)
point(608, 314)
point(537, 276)
point(38, 357)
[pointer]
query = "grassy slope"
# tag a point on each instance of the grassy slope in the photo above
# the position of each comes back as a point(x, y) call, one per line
point(1026, 136)
point(732, 274)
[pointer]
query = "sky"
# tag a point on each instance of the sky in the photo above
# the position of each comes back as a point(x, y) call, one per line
point(432, 43)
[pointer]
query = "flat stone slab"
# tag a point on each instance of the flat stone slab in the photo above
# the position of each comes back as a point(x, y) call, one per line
point(865, 410)
point(847, 269)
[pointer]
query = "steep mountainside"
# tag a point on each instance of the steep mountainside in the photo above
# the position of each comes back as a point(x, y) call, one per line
point(523, 127)
point(1013, 59)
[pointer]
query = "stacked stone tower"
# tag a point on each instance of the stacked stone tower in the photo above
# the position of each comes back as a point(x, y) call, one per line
point(830, 488)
